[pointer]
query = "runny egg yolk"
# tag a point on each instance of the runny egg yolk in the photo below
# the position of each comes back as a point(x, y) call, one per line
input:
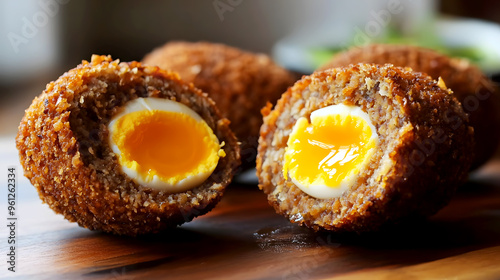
point(323, 157)
point(164, 144)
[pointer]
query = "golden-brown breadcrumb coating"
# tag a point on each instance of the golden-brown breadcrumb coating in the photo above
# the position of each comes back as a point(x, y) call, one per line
point(239, 82)
point(63, 148)
point(478, 94)
point(423, 154)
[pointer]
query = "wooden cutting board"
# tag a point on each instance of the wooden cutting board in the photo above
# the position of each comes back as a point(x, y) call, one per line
point(242, 238)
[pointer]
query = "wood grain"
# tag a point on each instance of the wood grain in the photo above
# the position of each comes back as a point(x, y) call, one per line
point(242, 238)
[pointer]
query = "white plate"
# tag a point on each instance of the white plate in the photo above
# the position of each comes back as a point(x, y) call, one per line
point(295, 51)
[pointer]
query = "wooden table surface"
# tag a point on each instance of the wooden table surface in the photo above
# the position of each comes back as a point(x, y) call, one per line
point(242, 238)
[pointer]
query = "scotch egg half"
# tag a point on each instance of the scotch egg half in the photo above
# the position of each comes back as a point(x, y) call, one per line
point(164, 144)
point(324, 157)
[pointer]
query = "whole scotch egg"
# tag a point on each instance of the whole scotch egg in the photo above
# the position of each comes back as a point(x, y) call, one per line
point(126, 148)
point(355, 148)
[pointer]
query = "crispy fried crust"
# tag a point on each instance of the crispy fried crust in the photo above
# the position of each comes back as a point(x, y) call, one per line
point(63, 148)
point(423, 153)
point(239, 82)
point(478, 95)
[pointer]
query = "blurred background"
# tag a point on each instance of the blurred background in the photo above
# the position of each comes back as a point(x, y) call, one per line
point(41, 39)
